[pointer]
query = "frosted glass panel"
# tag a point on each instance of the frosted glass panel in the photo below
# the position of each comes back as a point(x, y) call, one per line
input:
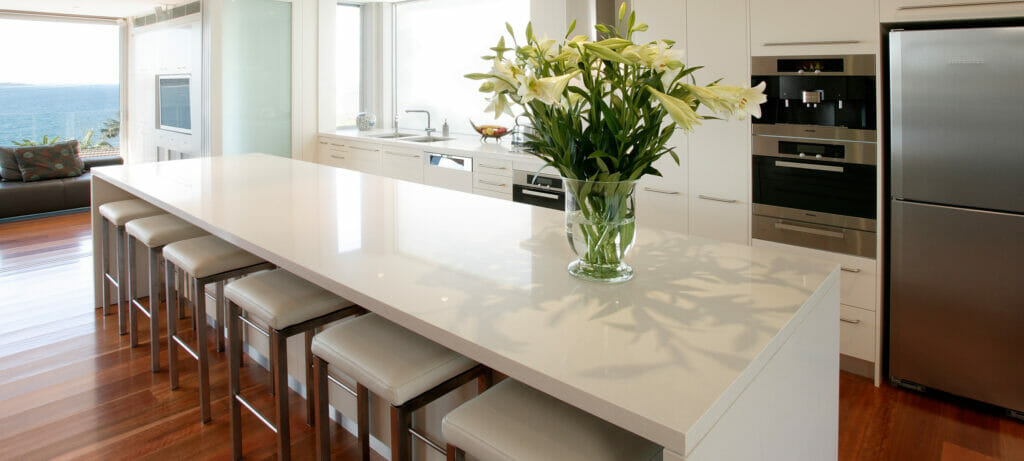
point(439, 41)
point(257, 68)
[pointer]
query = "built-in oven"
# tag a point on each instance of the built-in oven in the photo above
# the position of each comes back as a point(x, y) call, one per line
point(538, 189)
point(814, 153)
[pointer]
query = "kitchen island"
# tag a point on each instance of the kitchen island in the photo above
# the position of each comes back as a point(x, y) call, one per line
point(713, 350)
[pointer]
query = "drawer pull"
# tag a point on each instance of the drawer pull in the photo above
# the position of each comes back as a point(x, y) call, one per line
point(484, 165)
point(822, 42)
point(852, 321)
point(854, 270)
point(952, 5)
point(323, 142)
point(662, 191)
point(491, 183)
point(367, 149)
point(402, 154)
point(716, 199)
point(339, 157)
point(336, 144)
point(810, 230)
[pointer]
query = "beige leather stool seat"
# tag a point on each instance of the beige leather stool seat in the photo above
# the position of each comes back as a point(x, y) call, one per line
point(286, 305)
point(392, 362)
point(206, 260)
point(119, 213)
point(202, 257)
point(404, 368)
point(154, 232)
point(514, 422)
point(280, 299)
point(160, 230)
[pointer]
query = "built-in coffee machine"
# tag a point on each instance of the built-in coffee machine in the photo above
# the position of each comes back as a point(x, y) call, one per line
point(814, 152)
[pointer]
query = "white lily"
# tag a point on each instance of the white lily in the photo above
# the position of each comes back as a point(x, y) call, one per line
point(678, 109)
point(547, 90)
point(662, 57)
point(745, 101)
point(505, 76)
point(499, 105)
point(718, 98)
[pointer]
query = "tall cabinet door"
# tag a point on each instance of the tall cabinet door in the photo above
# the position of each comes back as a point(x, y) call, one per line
point(662, 201)
point(813, 27)
point(719, 151)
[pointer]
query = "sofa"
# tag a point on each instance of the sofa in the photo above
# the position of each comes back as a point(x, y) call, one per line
point(19, 198)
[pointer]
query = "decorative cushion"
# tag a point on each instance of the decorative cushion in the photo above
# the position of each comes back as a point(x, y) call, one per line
point(9, 170)
point(48, 162)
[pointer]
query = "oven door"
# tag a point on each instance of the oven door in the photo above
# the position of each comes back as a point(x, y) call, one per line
point(539, 196)
point(817, 191)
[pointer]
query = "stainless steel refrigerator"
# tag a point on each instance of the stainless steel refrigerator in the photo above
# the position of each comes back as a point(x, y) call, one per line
point(957, 212)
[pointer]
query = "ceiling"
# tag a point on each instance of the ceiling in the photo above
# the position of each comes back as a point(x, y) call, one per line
point(103, 8)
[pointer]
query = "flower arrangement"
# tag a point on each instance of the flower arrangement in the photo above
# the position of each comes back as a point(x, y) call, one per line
point(599, 107)
point(599, 111)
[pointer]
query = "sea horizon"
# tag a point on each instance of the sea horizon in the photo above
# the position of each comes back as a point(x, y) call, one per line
point(31, 111)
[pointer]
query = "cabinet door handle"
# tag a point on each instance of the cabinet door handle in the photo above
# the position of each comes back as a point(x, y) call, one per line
point(491, 183)
point(854, 270)
point(336, 144)
point(809, 166)
point(367, 149)
point(323, 142)
point(951, 5)
point(716, 199)
point(339, 157)
point(853, 321)
point(810, 230)
point(402, 154)
point(662, 191)
point(821, 42)
point(484, 165)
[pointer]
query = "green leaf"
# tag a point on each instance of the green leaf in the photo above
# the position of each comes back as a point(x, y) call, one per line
point(572, 27)
point(605, 53)
point(478, 76)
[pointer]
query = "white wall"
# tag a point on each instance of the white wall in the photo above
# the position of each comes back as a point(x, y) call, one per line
point(171, 47)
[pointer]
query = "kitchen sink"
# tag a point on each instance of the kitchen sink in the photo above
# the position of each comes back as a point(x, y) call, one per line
point(428, 139)
point(392, 135)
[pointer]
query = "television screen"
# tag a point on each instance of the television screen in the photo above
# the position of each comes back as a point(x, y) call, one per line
point(175, 112)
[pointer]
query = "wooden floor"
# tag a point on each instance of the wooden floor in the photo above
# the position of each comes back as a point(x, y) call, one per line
point(71, 388)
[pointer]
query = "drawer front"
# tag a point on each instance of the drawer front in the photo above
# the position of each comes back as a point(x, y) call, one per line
point(336, 157)
point(658, 208)
point(494, 167)
point(857, 284)
point(720, 218)
point(493, 194)
point(406, 165)
point(367, 161)
point(493, 183)
point(857, 332)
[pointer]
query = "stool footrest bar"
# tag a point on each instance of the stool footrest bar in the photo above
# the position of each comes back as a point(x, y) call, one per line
point(257, 327)
point(430, 443)
point(186, 347)
point(141, 308)
point(254, 411)
point(342, 385)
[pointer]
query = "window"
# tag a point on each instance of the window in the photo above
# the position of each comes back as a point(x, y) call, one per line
point(60, 79)
point(437, 43)
point(347, 70)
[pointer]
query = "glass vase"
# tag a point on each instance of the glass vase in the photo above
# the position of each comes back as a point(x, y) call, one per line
point(600, 224)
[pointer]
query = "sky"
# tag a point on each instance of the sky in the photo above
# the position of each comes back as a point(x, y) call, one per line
point(58, 53)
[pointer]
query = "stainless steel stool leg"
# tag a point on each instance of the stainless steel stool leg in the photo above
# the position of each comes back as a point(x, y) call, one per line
point(154, 307)
point(132, 279)
point(309, 377)
point(234, 363)
point(280, 344)
point(122, 287)
point(172, 331)
point(105, 264)
point(202, 350)
point(221, 314)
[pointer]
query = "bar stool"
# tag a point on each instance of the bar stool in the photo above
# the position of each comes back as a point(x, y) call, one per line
point(513, 421)
point(279, 305)
point(207, 260)
point(118, 214)
point(407, 370)
point(153, 232)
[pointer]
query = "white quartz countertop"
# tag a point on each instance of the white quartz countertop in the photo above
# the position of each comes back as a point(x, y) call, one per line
point(663, 355)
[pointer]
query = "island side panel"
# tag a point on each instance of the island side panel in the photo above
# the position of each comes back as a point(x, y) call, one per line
point(791, 409)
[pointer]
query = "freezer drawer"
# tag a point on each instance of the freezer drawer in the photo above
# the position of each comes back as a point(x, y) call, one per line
point(957, 105)
point(957, 301)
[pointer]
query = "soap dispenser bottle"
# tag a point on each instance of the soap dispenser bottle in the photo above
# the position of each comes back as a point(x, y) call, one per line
point(444, 128)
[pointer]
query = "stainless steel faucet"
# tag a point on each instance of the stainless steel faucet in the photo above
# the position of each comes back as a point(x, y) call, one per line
point(428, 129)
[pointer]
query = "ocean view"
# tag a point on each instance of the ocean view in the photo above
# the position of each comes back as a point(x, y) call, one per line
point(68, 111)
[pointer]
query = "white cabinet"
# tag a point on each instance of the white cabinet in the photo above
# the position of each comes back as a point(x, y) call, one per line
point(402, 163)
point(719, 151)
point(801, 27)
point(661, 200)
point(352, 155)
point(857, 332)
point(492, 177)
point(935, 10)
